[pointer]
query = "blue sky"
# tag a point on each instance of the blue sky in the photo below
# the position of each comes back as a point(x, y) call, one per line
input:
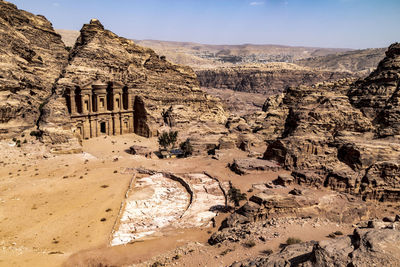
point(321, 23)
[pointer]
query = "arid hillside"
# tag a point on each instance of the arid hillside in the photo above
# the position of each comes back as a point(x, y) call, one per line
point(267, 79)
point(206, 56)
point(360, 62)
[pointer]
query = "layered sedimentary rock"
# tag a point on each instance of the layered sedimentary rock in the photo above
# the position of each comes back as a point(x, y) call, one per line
point(105, 85)
point(269, 79)
point(343, 135)
point(32, 59)
point(365, 247)
point(155, 85)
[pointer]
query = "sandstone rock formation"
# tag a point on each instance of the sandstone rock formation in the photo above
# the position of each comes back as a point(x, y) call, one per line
point(32, 59)
point(365, 247)
point(268, 79)
point(38, 74)
point(157, 85)
point(342, 135)
point(268, 205)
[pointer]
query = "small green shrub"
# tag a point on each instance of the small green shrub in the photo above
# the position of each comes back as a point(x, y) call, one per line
point(293, 240)
point(186, 148)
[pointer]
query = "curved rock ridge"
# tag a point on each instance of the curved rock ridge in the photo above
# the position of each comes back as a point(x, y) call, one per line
point(32, 58)
point(342, 135)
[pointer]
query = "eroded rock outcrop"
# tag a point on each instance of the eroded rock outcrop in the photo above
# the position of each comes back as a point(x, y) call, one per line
point(365, 247)
point(38, 74)
point(157, 85)
point(269, 79)
point(342, 135)
point(32, 59)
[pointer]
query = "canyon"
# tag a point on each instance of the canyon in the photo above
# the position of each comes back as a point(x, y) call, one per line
point(283, 156)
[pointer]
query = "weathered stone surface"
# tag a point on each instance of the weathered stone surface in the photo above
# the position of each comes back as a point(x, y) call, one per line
point(100, 55)
point(268, 79)
point(38, 73)
point(341, 134)
point(365, 247)
point(242, 166)
point(268, 206)
point(32, 58)
point(284, 180)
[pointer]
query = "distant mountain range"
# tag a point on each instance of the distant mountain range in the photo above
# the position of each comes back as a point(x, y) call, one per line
point(204, 56)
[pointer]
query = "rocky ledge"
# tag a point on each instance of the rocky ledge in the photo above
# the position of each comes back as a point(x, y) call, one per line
point(342, 135)
point(271, 78)
point(365, 247)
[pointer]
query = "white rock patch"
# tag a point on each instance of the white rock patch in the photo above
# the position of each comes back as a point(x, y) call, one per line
point(157, 203)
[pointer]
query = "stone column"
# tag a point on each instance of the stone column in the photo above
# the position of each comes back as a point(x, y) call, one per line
point(86, 96)
point(130, 100)
point(130, 124)
point(117, 124)
point(72, 101)
point(117, 96)
point(86, 129)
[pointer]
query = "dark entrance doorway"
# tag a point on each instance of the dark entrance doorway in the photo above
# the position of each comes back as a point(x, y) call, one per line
point(103, 127)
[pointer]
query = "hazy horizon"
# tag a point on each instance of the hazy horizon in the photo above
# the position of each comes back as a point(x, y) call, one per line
point(354, 24)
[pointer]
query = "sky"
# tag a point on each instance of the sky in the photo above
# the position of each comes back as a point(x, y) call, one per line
point(320, 23)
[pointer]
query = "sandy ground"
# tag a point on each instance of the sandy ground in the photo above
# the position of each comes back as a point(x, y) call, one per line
point(60, 209)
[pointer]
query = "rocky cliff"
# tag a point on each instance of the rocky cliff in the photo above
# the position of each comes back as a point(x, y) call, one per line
point(268, 79)
point(37, 71)
point(32, 59)
point(342, 135)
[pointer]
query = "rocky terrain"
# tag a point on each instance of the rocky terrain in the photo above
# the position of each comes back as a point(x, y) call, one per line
point(360, 62)
point(40, 71)
point(267, 79)
point(365, 247)
point(32, 59)
point(205, 56)
point(341, 135)
point(307, 177)
point(157, 83)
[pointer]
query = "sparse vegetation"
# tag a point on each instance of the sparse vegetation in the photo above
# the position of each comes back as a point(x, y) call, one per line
point(293, 240)
point(37, 134)
point(167, 139)
point(235, 195)
point(186, 148)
